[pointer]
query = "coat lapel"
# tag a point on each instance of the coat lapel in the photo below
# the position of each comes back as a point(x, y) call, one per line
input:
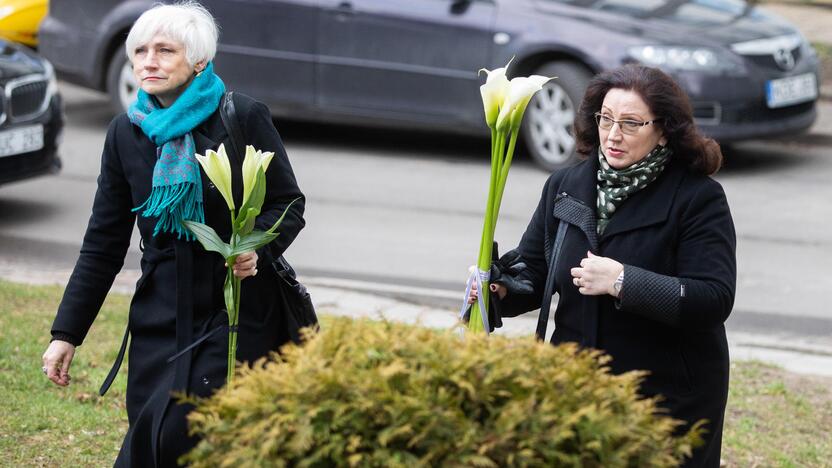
point(648, 206)
point(575, 201)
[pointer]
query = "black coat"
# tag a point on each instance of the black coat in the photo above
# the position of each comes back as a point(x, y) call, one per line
point(676, 239)
point(179, 295)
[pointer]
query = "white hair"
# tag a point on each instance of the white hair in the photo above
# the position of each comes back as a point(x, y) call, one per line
point(187, 22)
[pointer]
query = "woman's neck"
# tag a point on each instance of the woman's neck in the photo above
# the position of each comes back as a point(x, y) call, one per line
point(167, 99)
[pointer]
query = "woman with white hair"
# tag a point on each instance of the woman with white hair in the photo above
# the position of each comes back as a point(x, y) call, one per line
point(148, 167)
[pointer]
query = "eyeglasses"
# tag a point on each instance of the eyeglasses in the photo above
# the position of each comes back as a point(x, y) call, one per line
point(627, 127)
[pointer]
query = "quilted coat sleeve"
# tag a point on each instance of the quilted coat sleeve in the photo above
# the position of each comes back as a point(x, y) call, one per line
point(702, 295)
point(105, 244)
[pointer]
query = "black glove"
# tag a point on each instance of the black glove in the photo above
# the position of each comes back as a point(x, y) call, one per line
point(505, 270)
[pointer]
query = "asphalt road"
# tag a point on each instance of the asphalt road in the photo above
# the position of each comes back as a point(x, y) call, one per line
point(405, 209)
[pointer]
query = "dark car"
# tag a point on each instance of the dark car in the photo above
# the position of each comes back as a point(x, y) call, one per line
point(31, 119)
point(413, 63)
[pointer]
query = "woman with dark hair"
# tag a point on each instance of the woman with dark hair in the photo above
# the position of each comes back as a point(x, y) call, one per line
point(150, 177)
point(639, 243)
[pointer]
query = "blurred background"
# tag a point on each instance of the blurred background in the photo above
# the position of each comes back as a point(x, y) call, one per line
point(378, 104)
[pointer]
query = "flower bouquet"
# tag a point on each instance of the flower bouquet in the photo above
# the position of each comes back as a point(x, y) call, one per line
point(505, 103)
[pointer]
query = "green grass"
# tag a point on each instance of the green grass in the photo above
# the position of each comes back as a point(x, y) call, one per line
point(774, 418)
point(42, 424)
point(777, 419)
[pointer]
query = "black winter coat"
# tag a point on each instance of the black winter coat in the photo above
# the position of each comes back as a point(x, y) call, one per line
point(676, 239)
point(179, 295)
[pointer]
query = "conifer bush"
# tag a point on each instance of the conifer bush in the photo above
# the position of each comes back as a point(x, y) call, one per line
point(379, 394)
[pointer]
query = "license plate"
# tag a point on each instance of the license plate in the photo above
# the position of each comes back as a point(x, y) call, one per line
point(21, 140)
point(791, 90)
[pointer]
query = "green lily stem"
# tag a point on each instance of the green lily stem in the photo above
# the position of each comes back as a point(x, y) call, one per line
point(233, 308)
point(229, 305)
point(498, 165)
point(501, 184)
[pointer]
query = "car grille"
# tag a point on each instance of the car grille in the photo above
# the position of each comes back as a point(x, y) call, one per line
point(767, 61)
point(26, 99)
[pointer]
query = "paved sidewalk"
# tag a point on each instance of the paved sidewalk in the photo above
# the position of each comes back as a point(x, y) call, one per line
point(338, 298)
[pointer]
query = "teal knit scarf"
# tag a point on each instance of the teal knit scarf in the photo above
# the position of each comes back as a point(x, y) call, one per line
point(616, 185)
point(176, 193)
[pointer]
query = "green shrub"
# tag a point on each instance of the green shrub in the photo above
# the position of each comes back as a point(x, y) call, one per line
point(369, 394)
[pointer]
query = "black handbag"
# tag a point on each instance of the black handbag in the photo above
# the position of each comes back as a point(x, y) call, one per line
point(296, 299)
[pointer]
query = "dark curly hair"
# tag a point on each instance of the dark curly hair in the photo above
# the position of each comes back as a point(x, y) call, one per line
point(666, 100)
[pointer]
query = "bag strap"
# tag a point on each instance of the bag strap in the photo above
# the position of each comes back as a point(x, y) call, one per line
point(549, 290)
point(111, 376)
point(228, 115)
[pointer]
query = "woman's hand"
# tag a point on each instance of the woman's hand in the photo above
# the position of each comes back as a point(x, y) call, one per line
point(596, 275)
point(56, 362)
point(495, 288)
point(246, 265)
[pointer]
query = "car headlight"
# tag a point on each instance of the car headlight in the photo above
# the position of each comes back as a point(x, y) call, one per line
point(686, 58)
point(49, 73)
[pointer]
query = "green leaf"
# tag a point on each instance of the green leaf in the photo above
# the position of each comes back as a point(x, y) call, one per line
point(253, 205)
point(253, 241)
point(258, 192)
point(280, 220)
point(245, 221)
point(208, 238)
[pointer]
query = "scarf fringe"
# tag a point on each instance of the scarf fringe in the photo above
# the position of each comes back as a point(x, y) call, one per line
point(173, 204)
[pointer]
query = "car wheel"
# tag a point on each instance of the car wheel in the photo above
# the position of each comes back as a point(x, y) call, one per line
point(121, 84)
point(548, 125)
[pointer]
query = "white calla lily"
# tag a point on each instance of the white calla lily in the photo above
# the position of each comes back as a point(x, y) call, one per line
point(253, 160)
point(520, 92)
point(505, 102)
point(494, 92)
point(218, 169)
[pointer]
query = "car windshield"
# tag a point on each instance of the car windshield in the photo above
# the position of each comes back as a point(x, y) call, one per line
point(693, 12)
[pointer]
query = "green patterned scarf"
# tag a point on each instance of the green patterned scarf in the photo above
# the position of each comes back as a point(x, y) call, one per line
point(615, 186)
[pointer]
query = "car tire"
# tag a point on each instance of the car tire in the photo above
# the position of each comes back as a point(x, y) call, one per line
point(121, 84)
point(548, 124)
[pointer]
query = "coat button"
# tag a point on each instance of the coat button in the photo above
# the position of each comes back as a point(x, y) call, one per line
point(205, 381)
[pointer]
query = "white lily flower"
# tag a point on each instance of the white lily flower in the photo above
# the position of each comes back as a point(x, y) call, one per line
point(254, 160)
point(218, 169)
point(494, 92)
point(520, 92)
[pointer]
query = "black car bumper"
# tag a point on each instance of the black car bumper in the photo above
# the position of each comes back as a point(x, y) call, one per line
point(745, 122)
point(43, 161)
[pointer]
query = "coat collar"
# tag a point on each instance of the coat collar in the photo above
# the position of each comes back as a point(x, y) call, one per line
point(644, 208)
